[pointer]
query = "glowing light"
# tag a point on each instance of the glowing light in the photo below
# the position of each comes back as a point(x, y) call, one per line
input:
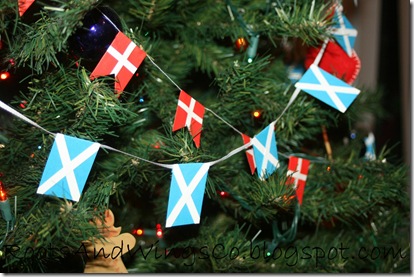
point(4, 75)
point(23, 104)
point(256, 114)
point(159, 233)
point(139, 232)
point(224, 194)
point(3, 195)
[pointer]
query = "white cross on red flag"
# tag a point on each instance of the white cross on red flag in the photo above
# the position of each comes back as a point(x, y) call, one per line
point(122, 59)
point(24, 5)
point(249, 154)
point(189, 114)
point(297, 173)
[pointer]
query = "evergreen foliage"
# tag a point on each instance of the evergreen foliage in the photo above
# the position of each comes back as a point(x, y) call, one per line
point(355, 215)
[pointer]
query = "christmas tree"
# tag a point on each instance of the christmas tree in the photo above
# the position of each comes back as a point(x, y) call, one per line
point(221, 136)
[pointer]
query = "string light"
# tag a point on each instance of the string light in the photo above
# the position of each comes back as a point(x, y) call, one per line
point(3, 195)
point(4, 75)
point(139, 232)
point(256, 114)
point(5, 204)
point(159, 230)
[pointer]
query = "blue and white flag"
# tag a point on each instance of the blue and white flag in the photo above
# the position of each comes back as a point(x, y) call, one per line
point(187, 188)
point(295, 72)
point(265, 152)
point(68, 167)
point(327, 88)
point(344, 33)
point(370, 147)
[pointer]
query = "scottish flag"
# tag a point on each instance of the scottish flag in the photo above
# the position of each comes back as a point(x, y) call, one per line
point(370, 147)
point(344, 33)
point(265, 152)
point(327, 88)
point(187, 188)
point(68, 166)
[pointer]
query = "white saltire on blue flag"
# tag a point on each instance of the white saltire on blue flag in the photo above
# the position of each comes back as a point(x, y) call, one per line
point(67, 167)
point(327, 88)
point(295, 72)
point(187, 188)
point(344, 33)
point(370, 147)
point(265, 152)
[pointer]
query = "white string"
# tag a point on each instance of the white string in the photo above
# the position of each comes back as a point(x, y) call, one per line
point(228, 124)
point(321, 52)
point(235, 151)
point(24, 118)
point(162, 71)
point(169, 166)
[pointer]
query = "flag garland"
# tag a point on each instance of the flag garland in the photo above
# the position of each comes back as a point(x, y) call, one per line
point(265, 152)
point(327, 88)
point(189, 114)
point(297, 174)
point(187, 188)
point(24, 5)
point(121, 59)
point(249, 154)
point(343, 32)
point(68, 166)
point(117, 61)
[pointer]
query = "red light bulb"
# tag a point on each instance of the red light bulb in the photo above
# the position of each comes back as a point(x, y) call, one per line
point(139, 232)
point(159, 233)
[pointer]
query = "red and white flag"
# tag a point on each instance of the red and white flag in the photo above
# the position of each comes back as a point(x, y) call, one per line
point(189, 114)
point(297, 174)
point(249, 154)
point(24, 5)
point(122, 59)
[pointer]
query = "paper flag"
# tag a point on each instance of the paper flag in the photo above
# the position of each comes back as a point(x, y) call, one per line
point(327, 88)
point(297, 174)
point(189, 114)
point(24, 5)
point(187, 188)
point(249, 154)
point(122, 59)
point(344, 33)
point(295, 72)
point(265, 152)
point(68, 167)
point(370, 147)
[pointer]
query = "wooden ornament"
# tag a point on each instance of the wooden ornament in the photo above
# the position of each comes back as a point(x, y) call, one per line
point(104, 255)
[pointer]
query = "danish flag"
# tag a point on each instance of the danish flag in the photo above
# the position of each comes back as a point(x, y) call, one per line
point(189, 114)
point(249, 154)
point(122, 59)
point(24, 5)
point(297, 174)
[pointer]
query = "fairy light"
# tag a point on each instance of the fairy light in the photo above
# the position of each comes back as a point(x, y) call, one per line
point(4, 75)
point(3, 195)
point(159, 230)
point(5, 204)
point(256, 114)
